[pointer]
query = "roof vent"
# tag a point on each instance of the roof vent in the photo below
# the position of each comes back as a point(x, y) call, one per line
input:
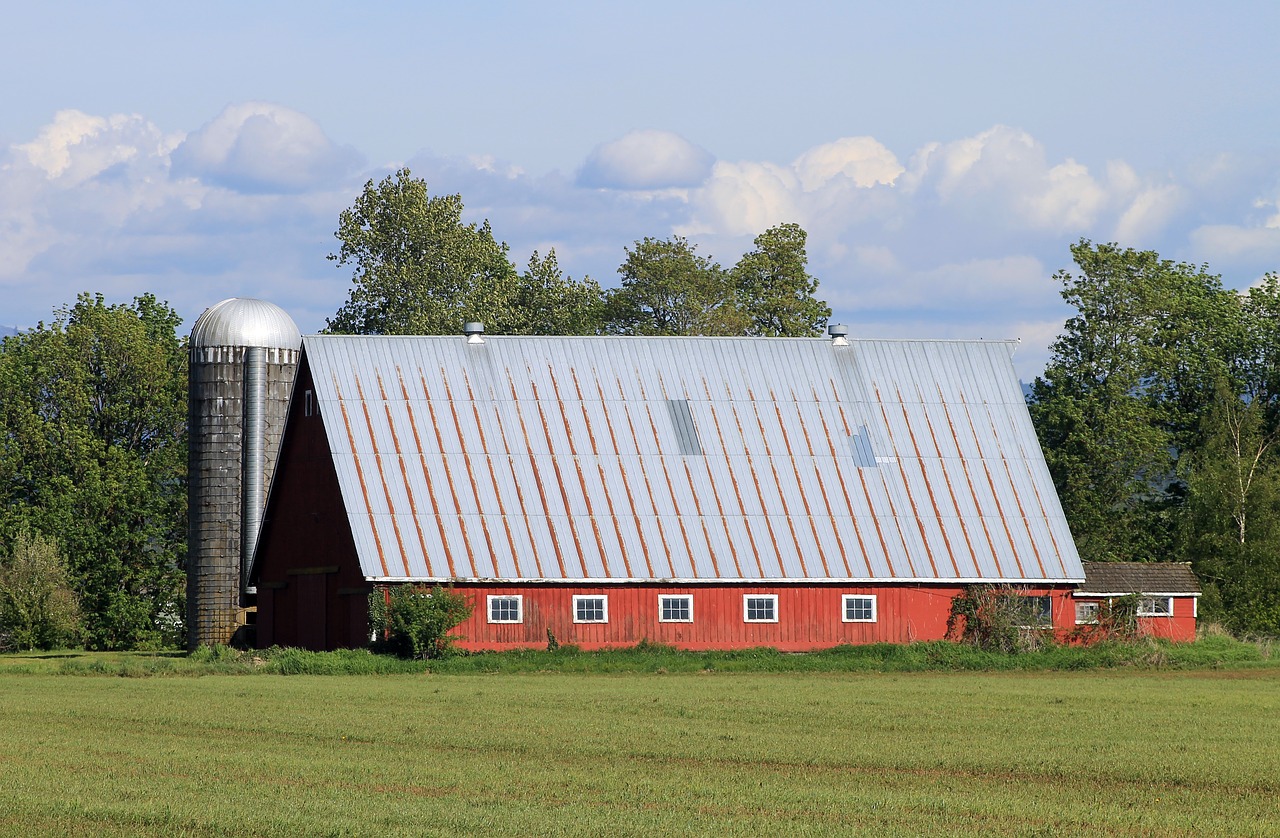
point(474, 332)
point(839, 334)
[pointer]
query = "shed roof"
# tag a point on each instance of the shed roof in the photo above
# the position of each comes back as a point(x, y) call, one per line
point(1122, 578)
point(634, 459)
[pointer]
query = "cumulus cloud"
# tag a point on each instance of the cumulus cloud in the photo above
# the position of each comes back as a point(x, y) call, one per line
point(261, 147)
point(648, 159)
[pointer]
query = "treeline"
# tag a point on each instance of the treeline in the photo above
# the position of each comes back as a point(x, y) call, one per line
point(1159, 414)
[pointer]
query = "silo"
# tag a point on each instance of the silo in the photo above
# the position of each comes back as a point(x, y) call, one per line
point(244, 354)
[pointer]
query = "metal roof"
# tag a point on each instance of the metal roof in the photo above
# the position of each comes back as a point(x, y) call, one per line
point(623, 458)
point(241, 321)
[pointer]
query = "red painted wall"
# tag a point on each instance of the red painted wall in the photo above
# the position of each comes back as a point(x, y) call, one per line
point(809, 616)
point(1180, 626)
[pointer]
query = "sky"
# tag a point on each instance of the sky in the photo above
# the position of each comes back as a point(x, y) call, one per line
point(943, 157)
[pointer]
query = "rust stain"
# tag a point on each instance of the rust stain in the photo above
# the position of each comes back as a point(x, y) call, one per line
point(604, 485)
point(706, 534)
point(404, 474)
point(431, 492)
point(560, 481)
point(1057, 549)
point(911, 498)
point(364, 489)
point(715, 493)
point(733, 478)
point(755, 478)
point(942, 464)
point(928, 486)
point(382, 475)
point(626, 485)
point(471, 472)
point(804, 496)
point(848, 500)
point(493, 476)
point(582, 480)
point(537, 478)
point(826, 502)
point(1017, 499)
point(515, 481)
point(777, 481)
point(448, 474)
point(991, 483)
point(964, 464)
point(662, 462)
point(648, 488)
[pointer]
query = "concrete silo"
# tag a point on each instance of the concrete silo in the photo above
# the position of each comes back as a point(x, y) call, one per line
point(244, 354)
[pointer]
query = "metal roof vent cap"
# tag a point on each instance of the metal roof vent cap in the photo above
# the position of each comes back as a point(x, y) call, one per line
point(839, 334)
point(474, 331)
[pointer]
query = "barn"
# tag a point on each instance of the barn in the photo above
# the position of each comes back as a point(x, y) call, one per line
point(1168, 595)
point(705, 493)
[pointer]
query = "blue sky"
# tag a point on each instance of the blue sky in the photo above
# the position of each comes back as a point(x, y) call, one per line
point(942, 156)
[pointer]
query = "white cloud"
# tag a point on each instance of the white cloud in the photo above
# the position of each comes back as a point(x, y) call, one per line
point(261, 147)
point(648, 159)
point(862, 160)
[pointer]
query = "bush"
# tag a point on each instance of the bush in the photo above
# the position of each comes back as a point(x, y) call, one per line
point(414, 621)
point(38, 610)
point(998, 618)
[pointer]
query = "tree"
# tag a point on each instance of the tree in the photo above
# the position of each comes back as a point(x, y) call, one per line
point(774, 289)
point(93, 453)
point(418, 268)
point(38, 610)
point(669, 289)
point(414, 621)
point(1120, 401)
point(549, 303)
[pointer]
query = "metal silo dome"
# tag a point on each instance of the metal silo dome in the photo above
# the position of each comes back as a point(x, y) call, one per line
point(241, 321)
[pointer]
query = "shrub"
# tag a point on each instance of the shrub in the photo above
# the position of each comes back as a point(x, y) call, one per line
point(38, 610)
point(414, 621)
point(999, 618)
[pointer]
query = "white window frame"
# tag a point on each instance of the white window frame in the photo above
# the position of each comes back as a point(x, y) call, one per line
point(1088, 603)
point(519, 598)
point(604, 599)
point(746, 610)
point(844, 608)
point(688, 598)
point(1048, 621)
point(1147, 612)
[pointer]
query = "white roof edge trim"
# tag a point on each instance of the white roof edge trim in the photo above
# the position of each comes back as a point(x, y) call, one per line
point(729, 581)
point(1138, 593)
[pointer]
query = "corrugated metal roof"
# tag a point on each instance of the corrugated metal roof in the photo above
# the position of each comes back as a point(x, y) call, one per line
point(571, 458)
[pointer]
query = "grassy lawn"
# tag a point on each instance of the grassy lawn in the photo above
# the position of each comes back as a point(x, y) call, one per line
point(1111, 752)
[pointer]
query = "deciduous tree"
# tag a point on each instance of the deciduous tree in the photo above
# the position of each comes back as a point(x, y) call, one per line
point(774, 290)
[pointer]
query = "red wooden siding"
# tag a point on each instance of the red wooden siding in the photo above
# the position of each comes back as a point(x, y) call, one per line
point(809, 616)
point(1180, 626)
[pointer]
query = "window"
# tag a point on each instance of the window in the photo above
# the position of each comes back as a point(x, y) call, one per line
point(591, 609)
point(1155, 606)
point(1086, 613)
point(675, 609)
point(309, 404)
point(506, 609)
point(859, 609)
point(1037, 612)
point(760, 608)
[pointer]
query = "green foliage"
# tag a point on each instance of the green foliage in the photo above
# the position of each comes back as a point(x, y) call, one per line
point(774, 289)
point(93, 453)
point(414, 621)
point(999, 618)
point(37, 608)
point(668, 288)
point(419, 270)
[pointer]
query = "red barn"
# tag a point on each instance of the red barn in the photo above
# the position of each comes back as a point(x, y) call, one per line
point(1168, 594)
point(699, 492)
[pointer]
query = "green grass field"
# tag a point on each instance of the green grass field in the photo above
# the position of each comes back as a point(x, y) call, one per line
point(1092, 753)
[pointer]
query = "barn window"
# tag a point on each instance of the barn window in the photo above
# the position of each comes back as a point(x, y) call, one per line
point(760, 608)
point(1155, 606)
point(1036, 612)
point(309, 404)
point(859, 608)
point(675, 609)
point(591, 609)
point(506, 609)
point(1086, 613)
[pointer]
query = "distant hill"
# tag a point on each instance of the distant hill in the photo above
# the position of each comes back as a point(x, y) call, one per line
point(5, 331)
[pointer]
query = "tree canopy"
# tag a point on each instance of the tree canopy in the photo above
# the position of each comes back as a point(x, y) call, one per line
point(93, 455)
